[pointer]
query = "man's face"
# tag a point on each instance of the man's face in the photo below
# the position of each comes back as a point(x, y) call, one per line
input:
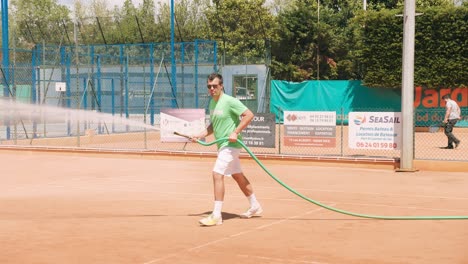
point(214, 87)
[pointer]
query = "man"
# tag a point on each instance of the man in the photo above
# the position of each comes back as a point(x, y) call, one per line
point(452, 115)
point(228, 117)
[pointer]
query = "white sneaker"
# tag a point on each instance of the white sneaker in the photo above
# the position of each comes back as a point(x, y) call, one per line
point(211, 221)
point(253, 211)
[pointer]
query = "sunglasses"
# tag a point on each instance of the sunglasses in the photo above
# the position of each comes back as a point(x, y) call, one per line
point(212, 86)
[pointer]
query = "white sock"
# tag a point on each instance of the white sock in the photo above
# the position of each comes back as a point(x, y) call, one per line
point(253, 201)
point(218, 205)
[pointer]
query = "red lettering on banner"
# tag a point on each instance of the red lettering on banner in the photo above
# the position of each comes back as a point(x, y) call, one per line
point(432, 98)
point(417, 96)
point(310, 141)
point(443, 92)
point(460, 95)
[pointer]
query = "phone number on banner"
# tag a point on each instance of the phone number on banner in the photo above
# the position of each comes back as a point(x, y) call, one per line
point(377, 145)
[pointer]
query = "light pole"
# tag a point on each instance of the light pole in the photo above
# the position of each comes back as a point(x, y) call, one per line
point(6, 58)
point(318, 37)
point(407, 98)
point(5, 45)
point(173, 60)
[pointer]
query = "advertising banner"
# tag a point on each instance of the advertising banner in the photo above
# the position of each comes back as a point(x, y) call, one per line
point(374, 130)
point(351, 96)
point(184, 121)
point(307, 128)
point(261, 132)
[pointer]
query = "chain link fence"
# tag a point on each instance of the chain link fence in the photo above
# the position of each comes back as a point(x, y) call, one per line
point(51, 126)
point(110, 97)
point(430, 140)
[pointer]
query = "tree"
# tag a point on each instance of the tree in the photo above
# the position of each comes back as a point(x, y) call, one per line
point(440, 48)
point(278, 6)
point(190, 20)
point(243, 28)
point(39, 21)
point(313, 47)
point(128, 24)
point(377, 5)
point(146, 20)
point(380, 48)
point(94, 23)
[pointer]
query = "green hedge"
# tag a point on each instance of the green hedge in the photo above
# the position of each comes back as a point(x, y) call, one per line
point(441, 48)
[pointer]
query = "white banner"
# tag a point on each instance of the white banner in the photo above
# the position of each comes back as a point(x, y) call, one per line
point(374, 130)
point(185, 121)
point(310, 128)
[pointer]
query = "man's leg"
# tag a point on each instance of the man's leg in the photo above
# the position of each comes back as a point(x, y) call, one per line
point(247, 189)
point(448, 132)
point(455, 140)
point(243, 183)
point(218, 184)
point(215, 218)
point(221, 167)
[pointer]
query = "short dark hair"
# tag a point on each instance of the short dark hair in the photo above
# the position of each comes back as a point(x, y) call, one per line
point(215, 75)
point(447, 96)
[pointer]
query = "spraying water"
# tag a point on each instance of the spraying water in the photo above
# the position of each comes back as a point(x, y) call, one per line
point(30, 120)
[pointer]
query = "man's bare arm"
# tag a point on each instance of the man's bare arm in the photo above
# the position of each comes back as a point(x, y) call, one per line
point(246, 118)
point(208, 131)
point(447, 113)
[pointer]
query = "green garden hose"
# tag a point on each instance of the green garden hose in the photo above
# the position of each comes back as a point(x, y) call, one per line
point(329, 207)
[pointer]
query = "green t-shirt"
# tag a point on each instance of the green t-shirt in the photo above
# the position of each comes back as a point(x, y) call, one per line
point(225, 117)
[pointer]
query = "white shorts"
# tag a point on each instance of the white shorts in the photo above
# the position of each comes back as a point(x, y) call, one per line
point(228, 161)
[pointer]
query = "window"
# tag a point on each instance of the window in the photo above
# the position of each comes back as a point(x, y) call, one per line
point(245, 87)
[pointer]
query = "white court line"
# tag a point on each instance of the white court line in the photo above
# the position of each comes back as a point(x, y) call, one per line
point(255, 229)
point(53, 183)
point(58, 184)
point(108, 180)
point(278, 260)
point(237, 235)
point(370, 193)
point(310, 189)
point(397, 195)
point(406, 207)
point(298, 199)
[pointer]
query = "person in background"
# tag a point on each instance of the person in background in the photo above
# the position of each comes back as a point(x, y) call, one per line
point(228, 117)
point(452, 115)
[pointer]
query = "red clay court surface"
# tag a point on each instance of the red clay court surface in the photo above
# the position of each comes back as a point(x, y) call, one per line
point(78, 208)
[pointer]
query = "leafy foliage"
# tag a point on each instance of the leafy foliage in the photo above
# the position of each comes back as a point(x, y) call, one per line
point(39, 21)
point(243, 27)
point(381, 48)
point(306, 39)
point(318, 44)
point(440, 48)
